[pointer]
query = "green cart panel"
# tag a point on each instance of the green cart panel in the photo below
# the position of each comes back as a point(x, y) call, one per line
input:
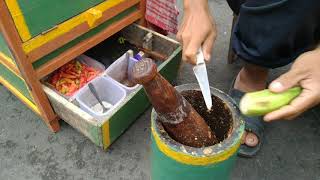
point(94, 31)
point(15, 81)
point(42, 15)
point(4, 48)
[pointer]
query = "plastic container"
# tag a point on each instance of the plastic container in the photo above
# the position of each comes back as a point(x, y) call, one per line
point(91, 62)
point(119, 72)
point(108, 90)
point(88, 61)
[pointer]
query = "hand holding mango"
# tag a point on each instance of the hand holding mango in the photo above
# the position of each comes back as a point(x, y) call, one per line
point(262, 102)
point(291, 94)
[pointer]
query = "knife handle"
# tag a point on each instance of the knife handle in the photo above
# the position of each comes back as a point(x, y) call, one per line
point(200, 57)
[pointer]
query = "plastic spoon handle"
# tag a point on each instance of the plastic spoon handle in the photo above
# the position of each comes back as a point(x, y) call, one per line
point(95, 94)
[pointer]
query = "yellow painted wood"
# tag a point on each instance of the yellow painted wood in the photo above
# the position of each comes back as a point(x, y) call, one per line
point(9, 60)
point(20, 95)
point(89, 16)
point(6, 58)
point(18, 19)
point(10, 64)
point(106, 134)
point(93, 14)
point(12, 88)
point(11, 67)
point(192, 160)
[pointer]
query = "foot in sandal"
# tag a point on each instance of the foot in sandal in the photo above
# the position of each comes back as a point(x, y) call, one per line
point(250, 78)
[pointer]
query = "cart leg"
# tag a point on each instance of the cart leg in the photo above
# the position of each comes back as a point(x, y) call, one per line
point(142, 7)
point(43, 104)
point(54, 125)
point(11, 35)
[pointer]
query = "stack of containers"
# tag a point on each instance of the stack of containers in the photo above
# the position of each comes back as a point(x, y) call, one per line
point(112, 87)
point(120, 71)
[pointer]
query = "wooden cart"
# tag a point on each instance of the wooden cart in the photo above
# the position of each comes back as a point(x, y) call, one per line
point(39, 36)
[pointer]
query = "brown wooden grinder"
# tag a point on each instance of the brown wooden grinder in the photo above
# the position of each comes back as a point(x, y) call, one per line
point(178, 117)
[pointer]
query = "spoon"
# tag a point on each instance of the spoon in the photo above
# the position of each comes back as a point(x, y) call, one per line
point(95, 94)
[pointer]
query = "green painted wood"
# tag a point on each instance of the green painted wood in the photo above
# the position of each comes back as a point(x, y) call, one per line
point(15, 81)
point(95, 134)
point(169, 68)
point(4, 47)
point(41, 15)
point(163, 167)
point(89, 34)
point(127, 114)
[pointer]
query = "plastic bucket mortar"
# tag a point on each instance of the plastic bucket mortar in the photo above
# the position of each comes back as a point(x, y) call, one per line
point(171, 160)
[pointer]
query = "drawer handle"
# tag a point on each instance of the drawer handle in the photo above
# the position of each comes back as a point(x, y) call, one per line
point(93, 15)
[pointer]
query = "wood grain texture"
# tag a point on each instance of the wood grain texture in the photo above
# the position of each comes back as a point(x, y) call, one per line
point(160, 44)
point(142, 8)
point(15, 44)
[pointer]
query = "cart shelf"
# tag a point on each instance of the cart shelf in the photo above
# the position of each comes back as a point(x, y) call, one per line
point(36, 41)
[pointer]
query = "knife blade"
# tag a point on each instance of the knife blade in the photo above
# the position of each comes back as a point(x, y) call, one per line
point(201, 74)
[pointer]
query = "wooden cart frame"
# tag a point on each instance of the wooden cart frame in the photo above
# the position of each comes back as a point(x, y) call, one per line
point(25, 53)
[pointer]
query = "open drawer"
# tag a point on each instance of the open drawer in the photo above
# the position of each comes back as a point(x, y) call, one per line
point(104, 132)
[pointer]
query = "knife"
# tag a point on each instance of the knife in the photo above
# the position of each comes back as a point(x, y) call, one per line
point(200, 72)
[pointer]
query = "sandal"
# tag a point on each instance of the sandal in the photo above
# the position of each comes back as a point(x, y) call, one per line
point(252, 124)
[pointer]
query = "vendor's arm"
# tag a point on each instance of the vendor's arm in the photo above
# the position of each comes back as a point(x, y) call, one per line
point(305, 72)
point(197, 28)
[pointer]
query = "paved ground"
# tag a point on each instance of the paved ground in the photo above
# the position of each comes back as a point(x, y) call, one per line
point(29, 151)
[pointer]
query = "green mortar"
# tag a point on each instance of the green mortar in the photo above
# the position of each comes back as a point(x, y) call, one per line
point(209, 163)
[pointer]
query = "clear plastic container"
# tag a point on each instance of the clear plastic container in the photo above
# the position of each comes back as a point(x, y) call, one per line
point(119, 72)
point(88, 61)
point(108, 91)
point(91, 62)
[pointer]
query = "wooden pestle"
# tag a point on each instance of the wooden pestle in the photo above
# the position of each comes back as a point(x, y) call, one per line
point(178, 117)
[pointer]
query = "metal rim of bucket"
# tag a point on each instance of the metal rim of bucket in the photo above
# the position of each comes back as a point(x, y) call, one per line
point(206, 155)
